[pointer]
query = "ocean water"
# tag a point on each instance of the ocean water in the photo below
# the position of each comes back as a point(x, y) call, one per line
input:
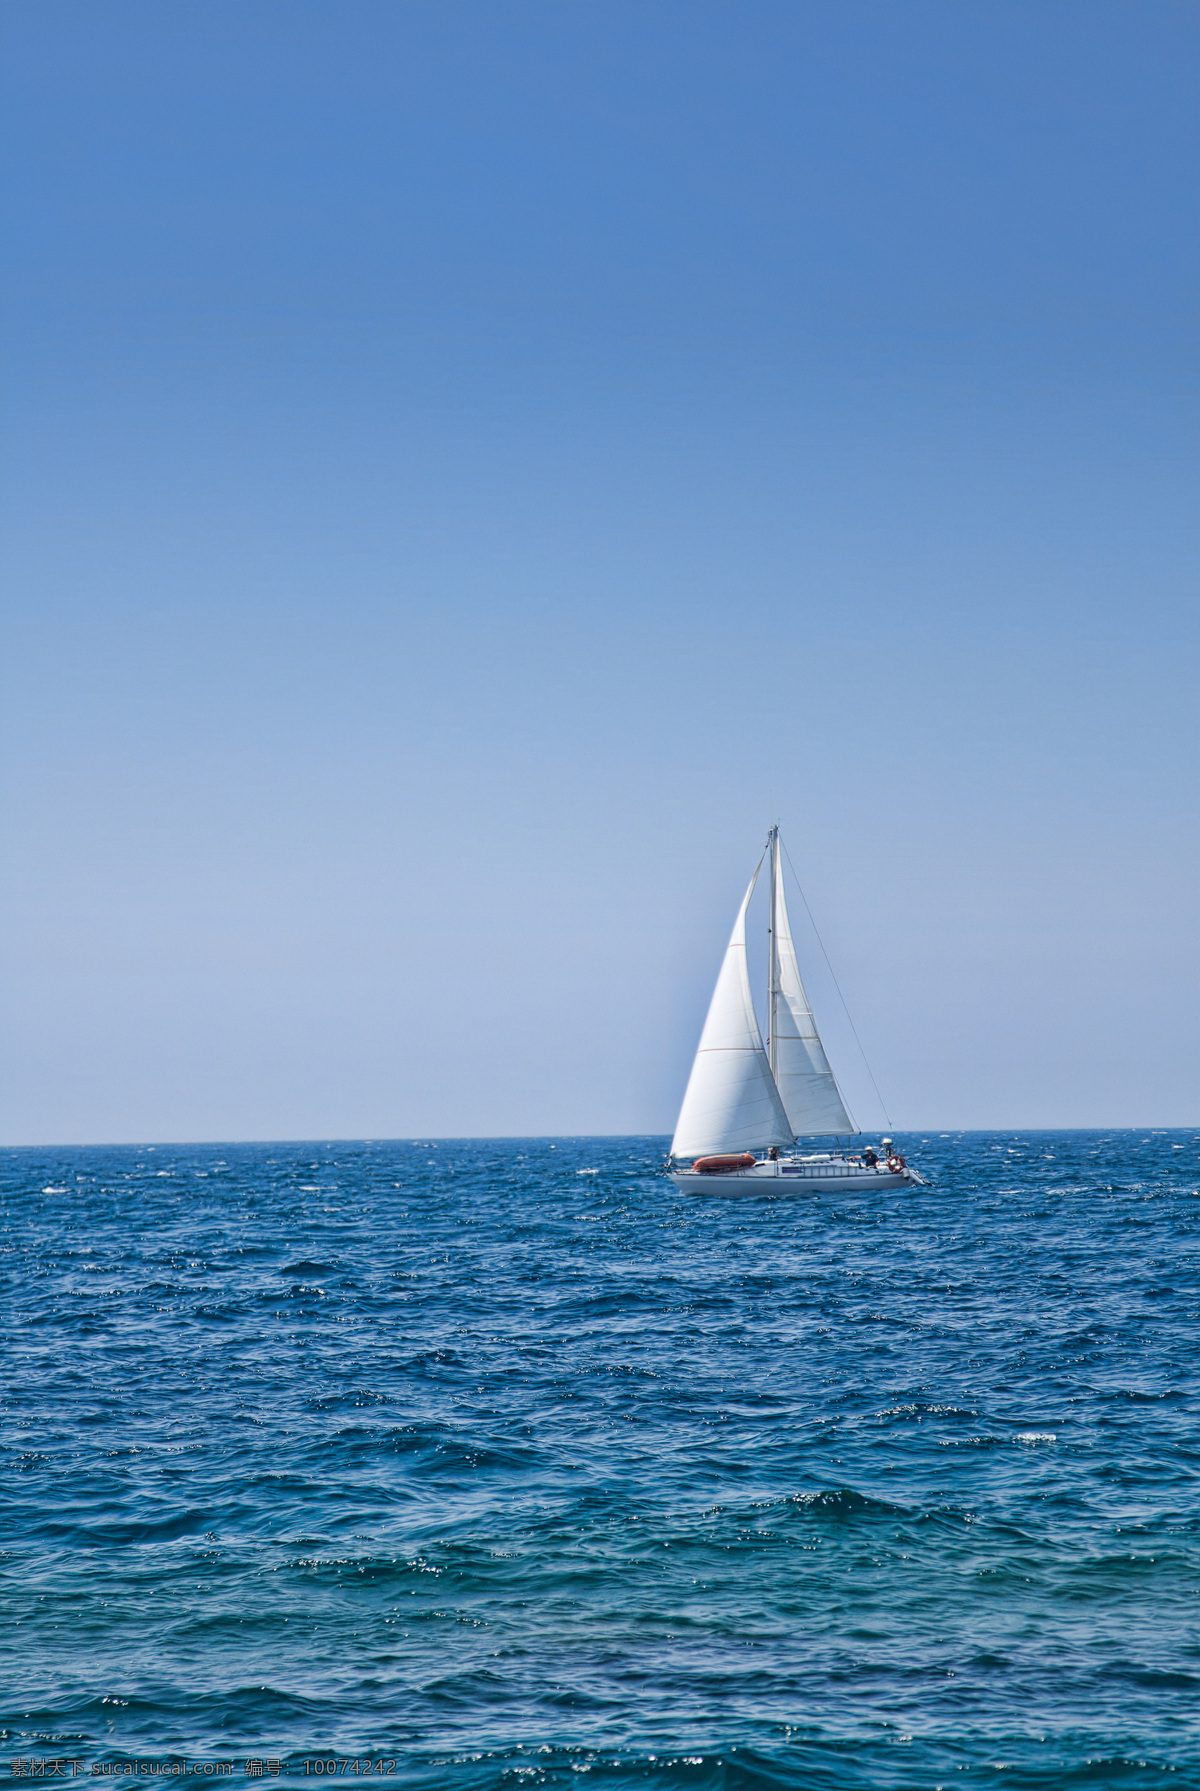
point(482, 1464)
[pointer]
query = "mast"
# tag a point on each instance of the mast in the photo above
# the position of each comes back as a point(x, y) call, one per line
point(773, 958)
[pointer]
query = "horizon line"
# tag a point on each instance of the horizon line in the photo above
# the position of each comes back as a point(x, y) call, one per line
point(545, 1137)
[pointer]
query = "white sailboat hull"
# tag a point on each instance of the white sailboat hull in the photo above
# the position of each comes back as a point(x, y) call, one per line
point(785, 1176)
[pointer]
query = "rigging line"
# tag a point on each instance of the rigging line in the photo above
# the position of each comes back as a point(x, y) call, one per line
point(854, 1029)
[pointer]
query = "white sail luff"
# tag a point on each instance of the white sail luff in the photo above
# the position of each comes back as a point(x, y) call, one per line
point(731, 1102)
point(772, 956)
point(809, 1092)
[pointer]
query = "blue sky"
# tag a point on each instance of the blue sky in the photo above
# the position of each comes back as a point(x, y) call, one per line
point(472, 467)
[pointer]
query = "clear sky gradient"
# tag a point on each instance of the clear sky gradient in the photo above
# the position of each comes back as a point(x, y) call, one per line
point(473, 465)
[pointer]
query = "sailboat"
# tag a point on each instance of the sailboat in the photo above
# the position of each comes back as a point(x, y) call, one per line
point(746, 1106)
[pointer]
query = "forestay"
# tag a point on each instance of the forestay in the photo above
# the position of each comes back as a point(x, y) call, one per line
point(732, 1103)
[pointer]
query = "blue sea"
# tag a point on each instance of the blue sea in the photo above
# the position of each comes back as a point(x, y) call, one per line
point(503, 1463)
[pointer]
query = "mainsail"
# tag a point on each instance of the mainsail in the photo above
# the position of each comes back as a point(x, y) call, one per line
point(731, 1102)
point(805, 1081)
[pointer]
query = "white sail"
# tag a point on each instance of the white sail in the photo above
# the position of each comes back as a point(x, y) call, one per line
point(731, 1102)
point(810, 1095)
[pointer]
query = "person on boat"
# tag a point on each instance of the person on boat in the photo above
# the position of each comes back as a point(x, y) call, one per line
point(895, 1161)
point(773, 1153)
point(869, 1158)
